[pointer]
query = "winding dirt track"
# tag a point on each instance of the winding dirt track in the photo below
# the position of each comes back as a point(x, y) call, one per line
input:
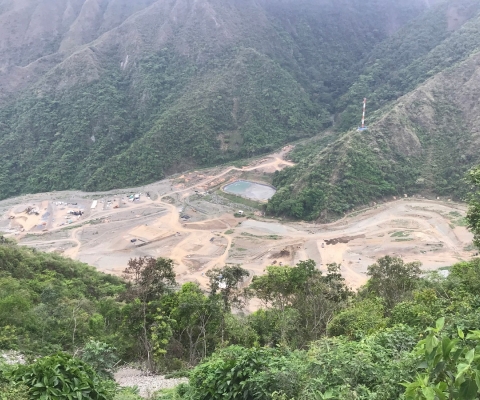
point(416, 229)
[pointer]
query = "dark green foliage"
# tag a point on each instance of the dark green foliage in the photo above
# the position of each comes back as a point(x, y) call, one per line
point(419, 144)
point(299, 302)
point(285, 72)
point(200, 96)
point(149, 279)
point(239, 373)
point(465, 276)
point(76, 142)
point(420, 311)
point(10, 390)
point(338, 368)
point(62, 125)
point(327, 182)
point(359, 320)
point(450, 367)
point(370, 368)
point(332, 177)
point(101, 357)
point(392, 279)
point(473, 215)
point(286, 355)
point(49, 303)
point(374, 353)
point(61, 376)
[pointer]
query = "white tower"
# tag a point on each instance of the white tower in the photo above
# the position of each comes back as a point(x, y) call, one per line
point(363, 127)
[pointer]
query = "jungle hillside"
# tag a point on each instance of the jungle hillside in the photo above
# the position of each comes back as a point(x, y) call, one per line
point(103, 94)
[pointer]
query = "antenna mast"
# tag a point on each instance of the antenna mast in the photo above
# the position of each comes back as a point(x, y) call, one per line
point(363, 115)
point(363, 127)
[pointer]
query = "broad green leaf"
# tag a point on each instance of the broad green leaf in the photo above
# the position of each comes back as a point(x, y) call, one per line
point(468, 390)
point(439, 393)
point(440, 323)
point(469, 356)
point(447, 346)
point(461, 369)
point(429, 393)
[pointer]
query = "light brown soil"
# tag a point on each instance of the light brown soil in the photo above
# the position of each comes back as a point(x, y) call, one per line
point(415, 229)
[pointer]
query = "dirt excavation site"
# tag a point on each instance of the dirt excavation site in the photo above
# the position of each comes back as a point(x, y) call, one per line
point(192, 220)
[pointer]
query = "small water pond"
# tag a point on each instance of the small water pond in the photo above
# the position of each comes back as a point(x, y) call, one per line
point(250, 190)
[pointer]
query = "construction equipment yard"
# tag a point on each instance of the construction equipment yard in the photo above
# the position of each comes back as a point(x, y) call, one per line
point(189, 219)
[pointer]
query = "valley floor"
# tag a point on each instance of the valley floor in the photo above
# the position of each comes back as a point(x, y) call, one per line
point(188, 219)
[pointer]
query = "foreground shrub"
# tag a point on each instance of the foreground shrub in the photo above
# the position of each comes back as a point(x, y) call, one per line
point(236, 372)
point(61, 376)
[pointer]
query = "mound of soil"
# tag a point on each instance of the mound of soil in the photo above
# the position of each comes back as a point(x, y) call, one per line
point(344, 239)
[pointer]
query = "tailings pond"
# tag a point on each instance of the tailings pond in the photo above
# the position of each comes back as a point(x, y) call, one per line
point(250, 190)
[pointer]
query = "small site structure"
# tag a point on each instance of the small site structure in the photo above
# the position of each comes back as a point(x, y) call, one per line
point(32, 210)
point(76, 213)
point(94, 204)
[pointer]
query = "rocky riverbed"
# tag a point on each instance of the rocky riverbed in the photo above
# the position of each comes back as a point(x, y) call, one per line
point(146, 383)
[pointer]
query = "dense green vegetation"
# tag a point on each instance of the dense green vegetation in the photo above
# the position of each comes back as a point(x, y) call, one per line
point(473, 216)
point(327, 182)
point(285, 71)
point(419, 147)
point(313, 338)
point(380, 345)
point(60, 376)
point(202, 97)
point(50, 304)
point(419, 144)
point(73, 141)
point(438, 39)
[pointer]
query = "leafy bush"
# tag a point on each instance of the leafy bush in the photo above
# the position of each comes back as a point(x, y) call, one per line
point(451, 367)
point(236, 372)
point(101, 357)
point(62, 376)
point(49, 303)
point(361, 319)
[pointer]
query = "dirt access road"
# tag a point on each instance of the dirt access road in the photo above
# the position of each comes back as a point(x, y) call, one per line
point(177, 218)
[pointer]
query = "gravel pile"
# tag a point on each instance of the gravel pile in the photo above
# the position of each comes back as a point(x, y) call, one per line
point(146, 383)
point(12, 357)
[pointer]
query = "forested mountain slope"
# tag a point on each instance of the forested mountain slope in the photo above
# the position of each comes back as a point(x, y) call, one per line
point(437, 39)
point(97, 94)
point(423, 142)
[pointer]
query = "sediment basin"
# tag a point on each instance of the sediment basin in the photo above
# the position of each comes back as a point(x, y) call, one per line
point(250, 190)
